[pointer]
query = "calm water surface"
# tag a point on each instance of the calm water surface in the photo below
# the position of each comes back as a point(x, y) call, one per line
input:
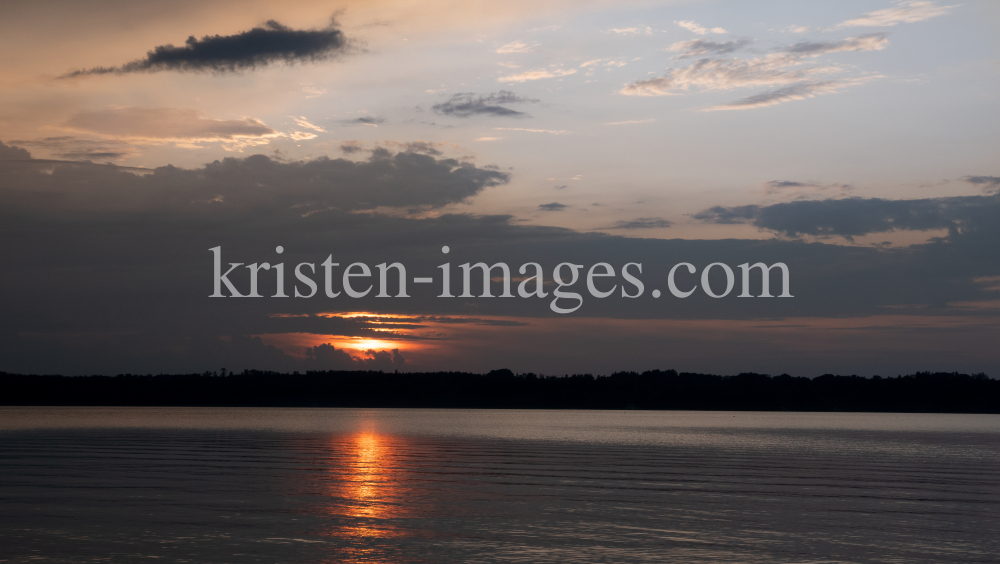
point(358, 485)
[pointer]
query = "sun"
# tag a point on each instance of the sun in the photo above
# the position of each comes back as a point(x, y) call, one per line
point(366, 344)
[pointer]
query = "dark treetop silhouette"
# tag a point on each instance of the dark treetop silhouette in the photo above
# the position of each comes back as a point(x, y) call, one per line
point(920, 392)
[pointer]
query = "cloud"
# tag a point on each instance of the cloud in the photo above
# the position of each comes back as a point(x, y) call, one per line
point(701, 47)
point(903, 12)
point(468, 104)
point(329, 357)
point(989, 183)
point(364, 120)
point(249, 50)
point(516, 47)
point(352, 146)
point(536, 75)
point(785, 186)
point(632, 30)
point(783, 69)
point(695, 28)
point(313, 92)
point(554, 206)
point(727, 215)
point(302, 122)
point(725, 74)
point(424, 147)
point(471, 321)
point(401, 180)
point(166, 124)
point(853, 217)
point(13, 153)
point(641, 223)
point(798, 91)
point(870, 42)
point(551, 131)
point(74, 148)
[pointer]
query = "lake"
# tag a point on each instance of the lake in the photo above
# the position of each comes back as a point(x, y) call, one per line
point(210, 485)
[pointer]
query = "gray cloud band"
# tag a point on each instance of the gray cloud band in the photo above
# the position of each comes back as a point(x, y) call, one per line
point(116, 261)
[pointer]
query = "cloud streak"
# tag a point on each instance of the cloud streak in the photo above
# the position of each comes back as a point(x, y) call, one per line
point(641, 223)
point(902, 12)
point(799, 91)
point(165, 124)
point(516, 47)
point(74, 148)
point(248, 50)
point(553, 207)
point(784, 186)
point(725, 74)
point(702, 47)
point(536, 75)
point(870, 42)
point(551, 131)
point(468, 104)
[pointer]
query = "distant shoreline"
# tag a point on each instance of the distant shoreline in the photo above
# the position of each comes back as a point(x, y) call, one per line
point(922, 392)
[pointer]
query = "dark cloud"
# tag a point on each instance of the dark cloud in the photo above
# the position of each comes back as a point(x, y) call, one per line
point(248, 50)
point(13, 153)
point(641, 223)
point(854, 217)
point(562, 187)
point(702, 47)
point(728, 215)
point(554, 206)
point(989, 183)
point(869, 42)
point(328, 357)
point(403, 179)
point(351, 147)
point(469, 104)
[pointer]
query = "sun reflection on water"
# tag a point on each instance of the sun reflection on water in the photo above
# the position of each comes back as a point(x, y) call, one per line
point(364, 494)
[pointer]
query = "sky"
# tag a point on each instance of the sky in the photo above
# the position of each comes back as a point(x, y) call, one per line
point(854, 142)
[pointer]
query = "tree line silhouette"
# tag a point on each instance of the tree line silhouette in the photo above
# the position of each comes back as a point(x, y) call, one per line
point(656, 389)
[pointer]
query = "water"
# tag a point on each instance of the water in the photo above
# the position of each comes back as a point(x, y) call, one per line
point(350, 485)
